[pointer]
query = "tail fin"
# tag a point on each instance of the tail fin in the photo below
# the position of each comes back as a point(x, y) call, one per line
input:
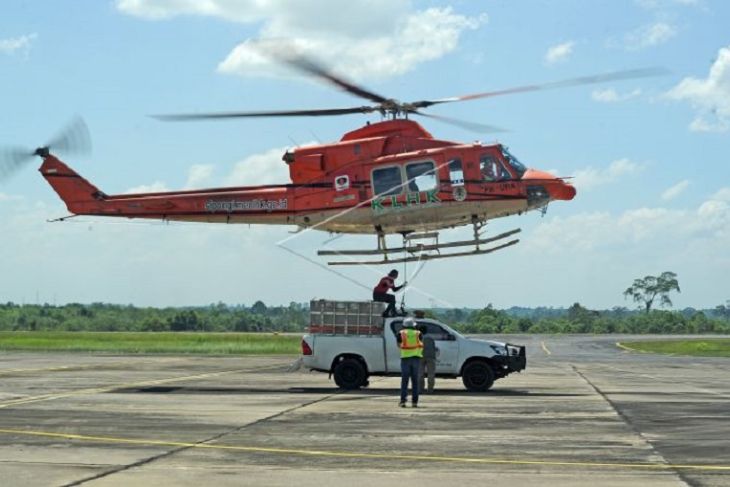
point(74, 190)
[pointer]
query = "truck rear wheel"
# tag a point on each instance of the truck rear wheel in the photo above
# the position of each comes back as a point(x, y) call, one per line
point(477, 376)
point(350, 374)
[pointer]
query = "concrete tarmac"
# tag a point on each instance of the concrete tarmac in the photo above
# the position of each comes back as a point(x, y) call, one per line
point(585, 412)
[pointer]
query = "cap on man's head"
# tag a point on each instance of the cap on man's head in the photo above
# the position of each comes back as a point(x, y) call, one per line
point(409, 322)
point(393, 273)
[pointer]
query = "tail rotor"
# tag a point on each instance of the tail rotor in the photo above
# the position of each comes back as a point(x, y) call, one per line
point(73, 139)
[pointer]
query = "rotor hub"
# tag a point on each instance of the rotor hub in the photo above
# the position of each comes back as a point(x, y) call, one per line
point(42, 152)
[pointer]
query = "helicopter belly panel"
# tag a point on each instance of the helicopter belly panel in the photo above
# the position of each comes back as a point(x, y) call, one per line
point(364, 220)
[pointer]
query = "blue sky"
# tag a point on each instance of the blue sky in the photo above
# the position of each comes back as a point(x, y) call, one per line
point(649, 156)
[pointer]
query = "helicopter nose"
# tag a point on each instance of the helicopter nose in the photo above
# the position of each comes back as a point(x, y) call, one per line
point(555, 187)
point(564, 191)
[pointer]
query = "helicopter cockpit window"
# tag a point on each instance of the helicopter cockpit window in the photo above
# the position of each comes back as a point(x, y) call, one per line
point(492, 169)
point(456, 173)
point(421, 176)
point(512, 161)
point(387, 181)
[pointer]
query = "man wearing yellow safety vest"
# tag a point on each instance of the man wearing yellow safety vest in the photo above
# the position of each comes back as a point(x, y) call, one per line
point(411, 352)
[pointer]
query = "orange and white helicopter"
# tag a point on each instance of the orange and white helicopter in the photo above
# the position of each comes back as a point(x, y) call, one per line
point(390, 177)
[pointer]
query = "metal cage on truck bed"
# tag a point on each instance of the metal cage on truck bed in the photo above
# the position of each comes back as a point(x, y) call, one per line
point(345, 317)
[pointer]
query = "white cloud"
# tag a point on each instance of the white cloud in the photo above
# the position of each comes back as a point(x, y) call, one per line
point(649, 35)
point(363, 16)
point(419, 37)
point(674, 191)
point(199, 176)
point(707, 225)
point(168, 255)
point(16, 44)
point(242, 11)
point(709, 96)
point(722, 195)
point(264, 168)
point(7, 197)
point(156, 187)
point(591, 177)
point(376, 38)
point(609, 95)
point(717, 208)
point(659, 4)
point(559, 53)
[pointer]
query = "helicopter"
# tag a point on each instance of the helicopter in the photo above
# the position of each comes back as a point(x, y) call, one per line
point(384, 178)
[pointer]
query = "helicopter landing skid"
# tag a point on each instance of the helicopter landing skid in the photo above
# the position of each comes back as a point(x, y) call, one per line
point(418, 252)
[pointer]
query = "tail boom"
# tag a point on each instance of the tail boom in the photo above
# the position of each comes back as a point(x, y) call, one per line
point(76, 192)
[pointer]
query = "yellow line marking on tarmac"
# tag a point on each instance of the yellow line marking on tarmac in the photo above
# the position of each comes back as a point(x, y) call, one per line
point(376, 456)
point(42, 369)
point(545, 348)
point(99, 390)
point(628, 349)
point(60, 368)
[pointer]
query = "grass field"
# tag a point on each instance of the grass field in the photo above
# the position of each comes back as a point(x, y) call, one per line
point(719, 347)
point(148, 342)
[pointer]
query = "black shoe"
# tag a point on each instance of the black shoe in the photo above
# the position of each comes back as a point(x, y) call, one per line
point(415, 404)
point(402, 404)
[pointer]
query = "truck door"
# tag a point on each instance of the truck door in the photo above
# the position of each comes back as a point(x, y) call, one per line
point(447, 345)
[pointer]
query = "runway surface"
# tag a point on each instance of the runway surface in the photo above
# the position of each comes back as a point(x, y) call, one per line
point(585, 412)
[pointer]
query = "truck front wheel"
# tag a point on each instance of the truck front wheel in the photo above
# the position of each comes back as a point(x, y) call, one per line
point(477, 376)
point(350, 374)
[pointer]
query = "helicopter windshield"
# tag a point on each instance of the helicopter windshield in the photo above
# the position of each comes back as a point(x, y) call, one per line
point(513, 162)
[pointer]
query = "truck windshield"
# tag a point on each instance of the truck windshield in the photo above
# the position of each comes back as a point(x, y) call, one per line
point(513, 162)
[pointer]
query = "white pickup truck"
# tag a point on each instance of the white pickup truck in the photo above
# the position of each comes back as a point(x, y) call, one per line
point(352, 357)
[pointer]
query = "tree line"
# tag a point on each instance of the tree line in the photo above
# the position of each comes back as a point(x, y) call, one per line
point(295, 318)
point(579, 319)
point(111, 317)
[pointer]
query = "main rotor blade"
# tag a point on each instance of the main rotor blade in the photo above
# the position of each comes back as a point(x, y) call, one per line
point(465, 124)
point(274, 113)
point(287, 54)
point(583, 80)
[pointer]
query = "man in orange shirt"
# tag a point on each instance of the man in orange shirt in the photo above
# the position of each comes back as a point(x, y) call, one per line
point(380, 293)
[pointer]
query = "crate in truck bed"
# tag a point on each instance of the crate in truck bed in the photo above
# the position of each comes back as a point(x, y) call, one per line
point(345, 317)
